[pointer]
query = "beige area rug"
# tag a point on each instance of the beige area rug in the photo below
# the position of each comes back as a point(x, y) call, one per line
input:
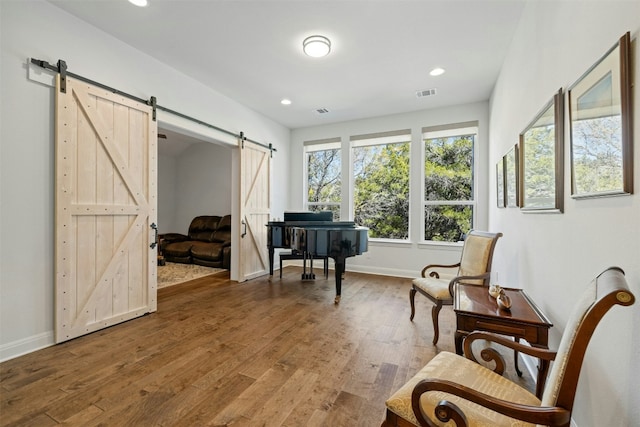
point(173, 273)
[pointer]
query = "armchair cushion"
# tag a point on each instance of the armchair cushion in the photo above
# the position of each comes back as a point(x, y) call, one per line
point(203, 228)
point(476, 257)
point(451, 367)
point(173, 237)
point(552, 388)
point(437, 288)
point(223, 232)
point(178, 249)
point(208, 251)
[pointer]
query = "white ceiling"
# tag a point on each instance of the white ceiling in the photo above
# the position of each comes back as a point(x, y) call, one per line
point(382, 50)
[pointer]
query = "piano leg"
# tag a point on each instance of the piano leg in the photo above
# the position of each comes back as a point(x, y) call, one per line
point(305, 275)
point(339, 266)
point(271, 254)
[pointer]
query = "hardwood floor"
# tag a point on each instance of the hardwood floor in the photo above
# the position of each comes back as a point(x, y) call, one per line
point(261, 353)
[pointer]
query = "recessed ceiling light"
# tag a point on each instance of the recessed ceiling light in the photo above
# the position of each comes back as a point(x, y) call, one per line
point(316, 46)
point(140, 3)
point(436, 71)
point(285, 101)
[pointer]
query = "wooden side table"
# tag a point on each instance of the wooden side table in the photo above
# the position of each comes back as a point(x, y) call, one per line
point(476, 310)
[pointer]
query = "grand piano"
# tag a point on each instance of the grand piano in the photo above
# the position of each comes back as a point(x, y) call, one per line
point(316, 235)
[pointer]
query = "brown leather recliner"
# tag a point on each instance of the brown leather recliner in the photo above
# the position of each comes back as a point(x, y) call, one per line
point(208, 243)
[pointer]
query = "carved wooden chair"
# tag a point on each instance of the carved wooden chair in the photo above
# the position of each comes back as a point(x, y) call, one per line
point(437, 281)
point(452, 387)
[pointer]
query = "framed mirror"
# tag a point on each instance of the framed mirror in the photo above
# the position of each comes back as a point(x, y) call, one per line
point(500, 184)
point(601, 130)
point(511, 177)
point(541, 166)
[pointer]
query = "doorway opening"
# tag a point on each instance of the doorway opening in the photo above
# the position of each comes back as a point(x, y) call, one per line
point(195, 178)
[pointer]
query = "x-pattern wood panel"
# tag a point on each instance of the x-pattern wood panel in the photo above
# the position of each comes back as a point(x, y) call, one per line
point(105, 202)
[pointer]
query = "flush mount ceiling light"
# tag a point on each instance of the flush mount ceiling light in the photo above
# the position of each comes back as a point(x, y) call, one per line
point(285, 101)
point(140, 3)
point(436, 71)
point(316, 46)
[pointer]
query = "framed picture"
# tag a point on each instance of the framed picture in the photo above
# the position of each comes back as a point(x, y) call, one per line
point(601, 126)
point(500, 184)
point(511, 177)
point(541, 166)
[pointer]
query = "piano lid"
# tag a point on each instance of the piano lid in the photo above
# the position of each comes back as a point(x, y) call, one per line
point(308, 216)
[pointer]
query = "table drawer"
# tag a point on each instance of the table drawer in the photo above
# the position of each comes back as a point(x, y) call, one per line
point(533, 334)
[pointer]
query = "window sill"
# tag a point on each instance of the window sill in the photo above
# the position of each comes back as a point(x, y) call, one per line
point(447, 246)
point(390, 243)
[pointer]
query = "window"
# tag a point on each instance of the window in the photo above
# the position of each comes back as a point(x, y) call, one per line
point(381, 183)
point(323, 176)
point(448, 182)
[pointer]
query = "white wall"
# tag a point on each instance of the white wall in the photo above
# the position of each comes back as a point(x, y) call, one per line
point(203, 183)
point(167, 202)
point(554, 256)
point(401, 259)
point(40, 30)
point(197, 181)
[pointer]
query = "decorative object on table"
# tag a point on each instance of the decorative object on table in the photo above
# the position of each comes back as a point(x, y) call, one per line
point(541, 167)
point(600, 123)
point(494, 290)
point(503, 300)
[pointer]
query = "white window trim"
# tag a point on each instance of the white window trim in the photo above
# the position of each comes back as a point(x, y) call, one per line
point(369, 140)
point(313, 146)
point(447, 131)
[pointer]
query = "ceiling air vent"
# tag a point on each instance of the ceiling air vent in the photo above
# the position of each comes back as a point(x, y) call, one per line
point(321, 111)
point(427, 92)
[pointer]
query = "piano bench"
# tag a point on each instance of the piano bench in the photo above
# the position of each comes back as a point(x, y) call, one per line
point(299, 255)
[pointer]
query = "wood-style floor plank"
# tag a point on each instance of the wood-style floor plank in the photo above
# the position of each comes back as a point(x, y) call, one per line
point(268, 352)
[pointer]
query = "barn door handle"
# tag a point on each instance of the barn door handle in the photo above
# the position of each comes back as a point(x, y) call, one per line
point(244, 224)
point(155, 228)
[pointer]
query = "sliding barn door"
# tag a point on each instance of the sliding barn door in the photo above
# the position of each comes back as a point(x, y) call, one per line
point(106, 161)
point(255, 176)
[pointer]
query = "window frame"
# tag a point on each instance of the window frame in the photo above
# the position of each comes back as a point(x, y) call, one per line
point(448, 131)
point(322, 145)
point(402, 136)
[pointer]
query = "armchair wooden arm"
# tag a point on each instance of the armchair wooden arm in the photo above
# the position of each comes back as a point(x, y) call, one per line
point(445, 411)
point(492, 355)
point(435, 274)
point(484, 277)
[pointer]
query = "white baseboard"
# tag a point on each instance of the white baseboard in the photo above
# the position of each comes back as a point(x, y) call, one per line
point(26, 345)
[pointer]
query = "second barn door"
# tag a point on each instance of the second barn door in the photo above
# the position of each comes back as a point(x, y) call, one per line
point(255, 196)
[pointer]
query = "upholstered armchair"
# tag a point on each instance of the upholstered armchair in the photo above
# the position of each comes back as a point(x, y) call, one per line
point(437, 281)
point(452, 387)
